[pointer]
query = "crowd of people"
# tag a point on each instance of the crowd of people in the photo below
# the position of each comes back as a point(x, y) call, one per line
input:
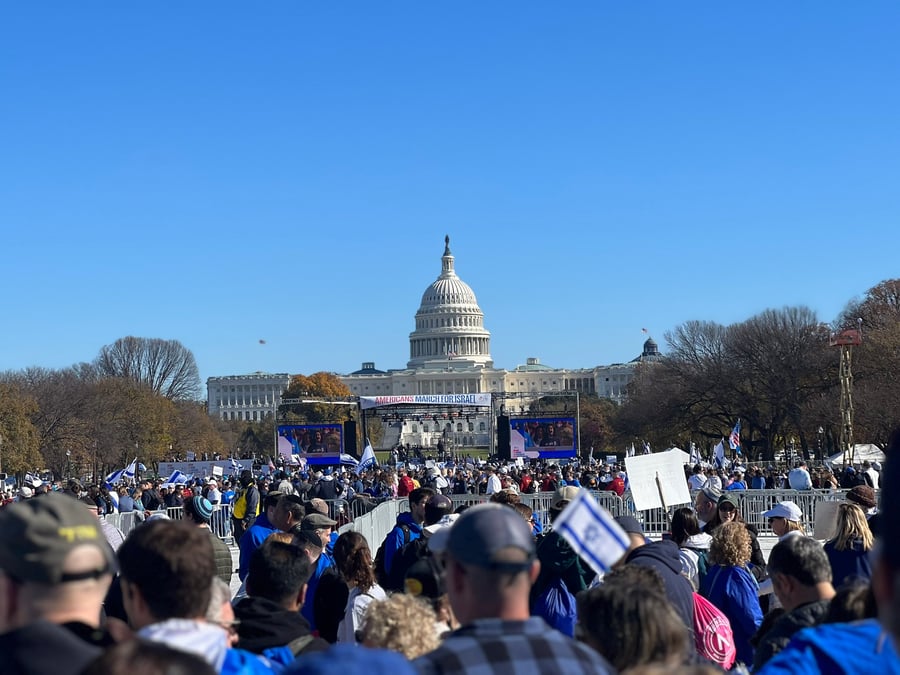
point(451, 588)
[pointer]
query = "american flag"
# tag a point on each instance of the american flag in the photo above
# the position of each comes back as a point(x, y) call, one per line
point(734, 441)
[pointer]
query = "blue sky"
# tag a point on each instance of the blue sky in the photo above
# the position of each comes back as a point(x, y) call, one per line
point(221, 173)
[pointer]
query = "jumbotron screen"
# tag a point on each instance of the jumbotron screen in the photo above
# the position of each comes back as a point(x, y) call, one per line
point(317, 443)
point(550, 437)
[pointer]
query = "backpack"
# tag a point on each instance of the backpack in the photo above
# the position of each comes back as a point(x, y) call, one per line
point(712, 633)
point(380, 573)
point(239, 510)
point(404, 558)
point(556, 605)
point(702, 563)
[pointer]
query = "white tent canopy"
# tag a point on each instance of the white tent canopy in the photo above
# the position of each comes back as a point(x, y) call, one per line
point(861, 452)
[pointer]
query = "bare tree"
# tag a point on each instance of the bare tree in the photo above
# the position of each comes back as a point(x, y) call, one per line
point(166, 366)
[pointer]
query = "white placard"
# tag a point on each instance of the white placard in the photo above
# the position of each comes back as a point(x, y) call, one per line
point(516, 444)
point(643, 471)
point(217, 471)
point(611, 459)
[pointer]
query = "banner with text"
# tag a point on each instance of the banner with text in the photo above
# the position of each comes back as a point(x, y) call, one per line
point(367, 402)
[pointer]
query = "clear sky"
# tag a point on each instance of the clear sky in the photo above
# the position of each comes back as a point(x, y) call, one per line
point(228, 172)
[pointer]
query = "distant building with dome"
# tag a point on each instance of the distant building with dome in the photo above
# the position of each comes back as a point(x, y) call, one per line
point(449, 353)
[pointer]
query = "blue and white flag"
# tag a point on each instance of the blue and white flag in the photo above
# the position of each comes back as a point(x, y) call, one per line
point(178, 478)
point(734, 441)
point(368, 460)
point(349, 460)
point(236, 465)
point(114, 477)
point(719, 455)
point(130, 469)
point(695, 454)
point(592, 532)
point(630, 451)
point(33, 480)
point(647, 450)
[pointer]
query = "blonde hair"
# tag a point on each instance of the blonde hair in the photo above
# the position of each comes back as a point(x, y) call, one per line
point(852, 526)
point(401, 623)
point(730, 545)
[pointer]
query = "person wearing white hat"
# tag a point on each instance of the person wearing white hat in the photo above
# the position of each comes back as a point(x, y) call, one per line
point(785, 519)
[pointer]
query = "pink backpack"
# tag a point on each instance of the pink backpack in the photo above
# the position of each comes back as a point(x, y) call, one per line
point(712, 633)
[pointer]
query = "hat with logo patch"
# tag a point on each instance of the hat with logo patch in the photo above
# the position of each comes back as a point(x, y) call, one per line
point(37, 535)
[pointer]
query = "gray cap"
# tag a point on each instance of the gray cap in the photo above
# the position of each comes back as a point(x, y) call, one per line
point(712, 493)
point(316, 521)
point(481, 533)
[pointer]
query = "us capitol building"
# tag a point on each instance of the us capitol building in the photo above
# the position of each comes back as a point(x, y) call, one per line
point(449, 353)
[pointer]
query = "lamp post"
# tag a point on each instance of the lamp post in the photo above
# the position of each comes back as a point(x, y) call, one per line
point(821, 432)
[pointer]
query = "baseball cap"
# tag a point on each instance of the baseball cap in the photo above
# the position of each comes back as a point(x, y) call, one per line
point(424, 579)
point(482, 533)
point(630, 524)
point(564, 494)
point(788, 510)
point(315, 521)
point(37, 535)
point(26, 492)
point(729, 498)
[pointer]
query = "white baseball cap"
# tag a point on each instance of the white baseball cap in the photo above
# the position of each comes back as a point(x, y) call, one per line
point(787, 510)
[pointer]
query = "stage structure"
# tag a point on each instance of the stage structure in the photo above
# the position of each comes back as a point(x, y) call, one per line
point(538, 425)
point(317, 430)
point(452, 422)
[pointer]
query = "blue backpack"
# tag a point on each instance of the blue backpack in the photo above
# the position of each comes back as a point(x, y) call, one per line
point(556, 606)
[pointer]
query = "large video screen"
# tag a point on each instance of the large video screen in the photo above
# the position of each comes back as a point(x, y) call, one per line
point(549, 437)
point(317, 443)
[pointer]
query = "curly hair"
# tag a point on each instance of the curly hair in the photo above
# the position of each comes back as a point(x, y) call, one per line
point(730, 545)
point(354, 560)
point(401, 623)
point(852, 526)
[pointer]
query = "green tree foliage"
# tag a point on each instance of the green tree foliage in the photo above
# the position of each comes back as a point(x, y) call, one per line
point(18, 436)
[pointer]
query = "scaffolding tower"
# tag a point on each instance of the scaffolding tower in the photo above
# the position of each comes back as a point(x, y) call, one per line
point(846, 341)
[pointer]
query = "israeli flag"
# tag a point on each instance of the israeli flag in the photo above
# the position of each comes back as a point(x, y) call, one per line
point(349, 460)
point(236, 465)
point(695, 455)
point(178, 477)
point(130, 469)
point(719, 455)
point(368, 460)
point(592, 532)
point(114, 477)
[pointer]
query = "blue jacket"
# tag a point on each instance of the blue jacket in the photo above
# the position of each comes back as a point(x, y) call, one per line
point(837, 649)
point(854, 563)
point(325, 561)
point(735, 591)
point(252, 540)
point(395, 539)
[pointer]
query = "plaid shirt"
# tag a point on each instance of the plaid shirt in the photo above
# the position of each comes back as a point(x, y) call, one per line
point(496, 647)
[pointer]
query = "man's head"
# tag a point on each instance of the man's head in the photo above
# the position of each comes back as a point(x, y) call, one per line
point(490, 563)
point(635, 533)
point(246, 477)
point(320, 525)
point(55, 562)
point(279, 572)
point(417, 500)
point(436, 508)
point(167, 567)
point(288, 513)
point(706, 503)
point(800, 572)
point(198, 510)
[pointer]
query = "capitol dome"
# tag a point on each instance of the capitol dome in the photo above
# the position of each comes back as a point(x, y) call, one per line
point(449, 323)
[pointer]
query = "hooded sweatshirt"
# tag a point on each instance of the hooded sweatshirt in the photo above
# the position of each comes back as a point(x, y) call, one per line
point(209, 642)
point(665, 557)
point(265, 624)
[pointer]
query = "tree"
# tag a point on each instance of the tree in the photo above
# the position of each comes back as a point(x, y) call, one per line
point(319, 385)
point(18, 437)
point(166, 366)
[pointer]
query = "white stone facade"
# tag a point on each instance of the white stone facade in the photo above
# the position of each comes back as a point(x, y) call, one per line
point(245, 397)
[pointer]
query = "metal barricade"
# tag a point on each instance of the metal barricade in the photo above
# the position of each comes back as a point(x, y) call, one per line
point(376, 524)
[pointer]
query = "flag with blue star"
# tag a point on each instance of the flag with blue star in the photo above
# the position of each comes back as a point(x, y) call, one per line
point(592, 532)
